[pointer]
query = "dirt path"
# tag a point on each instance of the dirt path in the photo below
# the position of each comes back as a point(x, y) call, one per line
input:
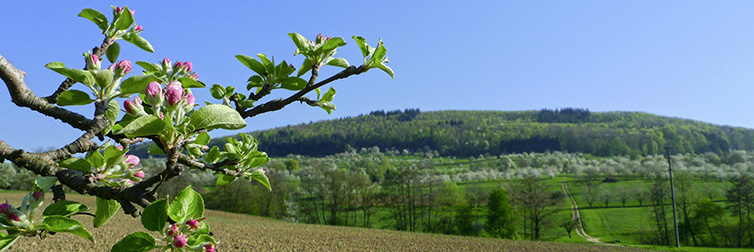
point(577, 216)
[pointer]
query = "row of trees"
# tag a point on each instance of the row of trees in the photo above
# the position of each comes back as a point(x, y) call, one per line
point(471, 133)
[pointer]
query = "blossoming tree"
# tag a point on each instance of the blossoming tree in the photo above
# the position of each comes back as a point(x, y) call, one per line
point(159, 108)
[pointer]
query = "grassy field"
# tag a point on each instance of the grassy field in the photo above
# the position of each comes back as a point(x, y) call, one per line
point(248, 233)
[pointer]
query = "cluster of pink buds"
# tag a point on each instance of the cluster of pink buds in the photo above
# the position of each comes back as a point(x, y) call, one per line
point(320, 39)
point(179, 233)
point(172, 97)
point(119, 10)
point(14, 216)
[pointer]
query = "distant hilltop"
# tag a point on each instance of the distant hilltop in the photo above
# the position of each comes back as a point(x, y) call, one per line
point(473, 133)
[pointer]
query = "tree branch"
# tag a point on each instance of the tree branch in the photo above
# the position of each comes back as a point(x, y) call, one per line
point(278, 104)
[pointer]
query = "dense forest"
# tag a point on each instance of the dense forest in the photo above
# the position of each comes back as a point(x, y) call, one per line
point(471, 133)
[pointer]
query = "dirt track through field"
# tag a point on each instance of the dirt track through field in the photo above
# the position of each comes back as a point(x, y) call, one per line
point(577, 216)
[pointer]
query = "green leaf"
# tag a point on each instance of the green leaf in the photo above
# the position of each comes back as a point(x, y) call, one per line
point(77, 75)
point(217, 91)
point(379, 54)
point(144, 126)
point(95, 16)
point(252, 64)
point(113, 111)
point(217, 116)
point(261, 178)
point(45, 183)
point(76, 164)
point(333, 43)
point(125, 20)
point(293, 83)
point(305, 67)
point(154, 149)
point(327, 97)
point(225, 179)
point(136, 242)
point(112, 52)
point(138, 41)
point(202, 139)
point(362, 42)
point(155, 216)
point(327, 106)
point(338, 62)
point(113, 155)
point(200, 239)
point(301, 43)
point(64, 208)
point(96, 159)
point(213, 155)
point(106, 209)
point(187, 82)
point(187, 204)
point(268, 65)
point(6, 241)
point(62, 224)
point(254, 81)
point(104, 78)
point(387, 69)
point(136, 84)
point(149, 67)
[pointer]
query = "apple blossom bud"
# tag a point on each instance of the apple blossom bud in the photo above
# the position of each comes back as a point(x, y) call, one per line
point(111, 68)
point(133, 12)
point(179, 241)
point(37, 195)
point(194, 76)
point(132, 160)
point(139, 174)
point(134, 107)
point(190, 99)
point(173, 230)
point(166, 64)
point(119, 147)
point(178, 65)
point(153, 94)
point(5, 208)
point(118, 9)
point(188, 66)
point(92, 62)
point(174, 93)
point(138, 28)
point(193, 224)
point(123, 67)
point(14, 216)
point(209, 248)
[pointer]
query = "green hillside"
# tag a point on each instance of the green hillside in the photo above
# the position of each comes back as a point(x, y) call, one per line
point(471, 133)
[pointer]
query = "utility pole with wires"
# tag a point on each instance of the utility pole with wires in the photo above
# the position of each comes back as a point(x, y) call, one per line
point(672, 195)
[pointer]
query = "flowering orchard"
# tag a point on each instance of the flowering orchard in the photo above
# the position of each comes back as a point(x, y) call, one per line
point(160, 107)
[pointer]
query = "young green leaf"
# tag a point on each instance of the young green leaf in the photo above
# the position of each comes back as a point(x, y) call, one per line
point(106, 209)
point(252, 64)
point(338, 62)
point(327, 97)
point(95, 16)
point(138, 41)
point(113, 155)
point(327, 106)
point(76, 164)
point(6, 241)
point(144, 126)
point(217, 116)
point(332, 44)
point(225, 179)
point(293, 83)
point(136, 84)
point(261, 178)
point(217, 91)
point(113, 52)
point(186, 205)
point(64, 208)
point(202, 139)
point(62, 224)
point(74, 97)
point(187, 82)
point(302, 44)
point(149, 67)
point(95, 159)
point(155, 216)
point(154, 149)
point(362, 42)
point(113, 111)
point(125, 20)
point(45, 183)
point(305, 67)
point(136, 242)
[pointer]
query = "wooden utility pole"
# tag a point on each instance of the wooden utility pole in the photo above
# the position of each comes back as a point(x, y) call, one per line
point(672, 195)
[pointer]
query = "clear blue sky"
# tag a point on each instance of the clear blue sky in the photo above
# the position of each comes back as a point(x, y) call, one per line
point(688, 59)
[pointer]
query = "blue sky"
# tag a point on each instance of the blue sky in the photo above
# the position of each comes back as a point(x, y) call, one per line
point(688, 59)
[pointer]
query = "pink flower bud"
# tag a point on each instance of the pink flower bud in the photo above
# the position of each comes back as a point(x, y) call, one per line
point(123, 67)
point(119, 147)
point(92, 62)
point(37, 195)
point(178, 65)
point(179, 241)
point(5, 208)
point(173, 230)
point(133, 12)
point(262, 171)
point(174, 93)
point(166, 64)
point(195, 76)
point(133, 107)
point(14, 217)
point(190, 100)
point(188, 66)
point(205, 147)
point(118, 9)
point(138, 28)
point(193, 224)
point(132, 160)
point(154, 93)
point(111, 68)
point(139, 174)
point(209, 248)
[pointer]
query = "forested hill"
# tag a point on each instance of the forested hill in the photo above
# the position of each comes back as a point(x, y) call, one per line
point(470, 133)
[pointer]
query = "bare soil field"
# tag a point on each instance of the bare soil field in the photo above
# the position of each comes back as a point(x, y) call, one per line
point(237, 232)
